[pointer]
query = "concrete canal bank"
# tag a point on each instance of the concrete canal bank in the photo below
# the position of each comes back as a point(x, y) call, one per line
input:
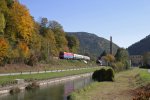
point(22, 85)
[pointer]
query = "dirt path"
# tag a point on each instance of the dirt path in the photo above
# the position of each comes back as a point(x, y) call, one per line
point(121, 89)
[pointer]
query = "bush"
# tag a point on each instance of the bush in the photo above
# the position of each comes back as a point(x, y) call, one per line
point(103, 75)
point(32, 60)
point(127, 64)
point(15, 90)
point(118, 66)
point(145, 66)
point(33, 85)
point(109, 75)
point(95, 74)
point(98, 75)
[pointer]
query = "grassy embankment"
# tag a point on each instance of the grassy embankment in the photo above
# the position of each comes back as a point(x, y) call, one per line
point(7, 80)
point(52, 65)
point(121, 89)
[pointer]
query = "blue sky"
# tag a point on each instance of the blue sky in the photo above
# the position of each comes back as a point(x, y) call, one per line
point(127, 21)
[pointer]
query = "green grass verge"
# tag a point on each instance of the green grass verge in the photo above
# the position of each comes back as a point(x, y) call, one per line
point(124, 80)
point(145, 76)
point(7, 80)
point(81, 92)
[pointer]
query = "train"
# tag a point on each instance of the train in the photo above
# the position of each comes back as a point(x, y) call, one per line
point(68, 55)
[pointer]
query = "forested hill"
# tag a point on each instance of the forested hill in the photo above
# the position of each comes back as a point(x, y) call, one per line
point(24, 40)
point(92, 45)
point(140, 47)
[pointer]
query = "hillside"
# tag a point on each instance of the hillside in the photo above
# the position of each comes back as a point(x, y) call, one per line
point(140, 47)
point(92, 45)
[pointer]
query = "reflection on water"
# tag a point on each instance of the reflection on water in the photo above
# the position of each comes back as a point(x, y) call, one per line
point(51, 92)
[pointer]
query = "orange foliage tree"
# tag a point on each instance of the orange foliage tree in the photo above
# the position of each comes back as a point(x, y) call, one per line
point(22, 21)
point(3, 50)
point(23, 50)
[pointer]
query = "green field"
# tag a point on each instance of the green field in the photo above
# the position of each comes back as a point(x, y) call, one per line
point(121, 89)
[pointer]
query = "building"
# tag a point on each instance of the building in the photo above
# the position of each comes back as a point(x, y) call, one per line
point(136, 60)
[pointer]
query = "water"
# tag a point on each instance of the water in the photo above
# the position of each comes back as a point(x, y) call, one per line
point(50, 92)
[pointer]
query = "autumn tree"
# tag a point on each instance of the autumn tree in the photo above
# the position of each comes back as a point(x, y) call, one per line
point(3, 11)
point(61, 41)
point(109, 59)
point(73, 43)
point(54, 25)
point(2, 23)
point(4, 46)
point(49, 43)
point(3, 6)
point(10, 3)
point(23, 50)
point(43, 22)
point(22, 38)
point(22, 21)
point(35, 45)
point(17, 27)
point(35, 41)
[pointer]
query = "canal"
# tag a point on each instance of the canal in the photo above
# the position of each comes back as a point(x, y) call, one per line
point(50, 92)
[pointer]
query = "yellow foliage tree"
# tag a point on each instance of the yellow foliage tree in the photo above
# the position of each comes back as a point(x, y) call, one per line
point(22, 21)
point(23, 50)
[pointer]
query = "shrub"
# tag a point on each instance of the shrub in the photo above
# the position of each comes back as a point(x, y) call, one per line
point(33, 85)
point(95, 74)
point(109, 75)
point(98, 75)
point(32, 60)
point(103, 75)
point(118, 66)
point(145, 66)
point(127, 64)
point(15, 90)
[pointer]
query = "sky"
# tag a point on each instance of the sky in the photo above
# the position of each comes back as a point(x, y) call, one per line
point(127, 21)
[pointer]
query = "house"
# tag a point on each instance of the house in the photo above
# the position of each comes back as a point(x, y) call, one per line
point(136, 60)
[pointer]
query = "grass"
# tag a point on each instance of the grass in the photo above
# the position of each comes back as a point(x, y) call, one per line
point(145, 76)
point(52, 65)
point(121, 89)
point(7, 80)
point(78, 93)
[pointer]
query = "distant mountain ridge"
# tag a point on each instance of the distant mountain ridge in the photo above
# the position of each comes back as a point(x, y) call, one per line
point(93, 45)
point(140, 47)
